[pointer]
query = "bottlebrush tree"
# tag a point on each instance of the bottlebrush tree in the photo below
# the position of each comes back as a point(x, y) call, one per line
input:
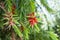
point(19, 20)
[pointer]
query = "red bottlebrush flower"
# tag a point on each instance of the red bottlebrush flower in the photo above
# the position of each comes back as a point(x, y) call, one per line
point(13, 12)
point(11, 23)
point(32, 14)
point(32, 19)
point(13, 9)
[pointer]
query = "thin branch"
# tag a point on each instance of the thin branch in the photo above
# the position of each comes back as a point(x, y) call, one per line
point(12, 35)
point(21, 38)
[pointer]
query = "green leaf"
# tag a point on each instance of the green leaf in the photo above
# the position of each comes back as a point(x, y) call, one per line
point(53, 35)
point(32, 3)
point(9, 5)
point(37, 28)
point(18, 32)
point(26, 32)
point(1, 24)
point(16, 21)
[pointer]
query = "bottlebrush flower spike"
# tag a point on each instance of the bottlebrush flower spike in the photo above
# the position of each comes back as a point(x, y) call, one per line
point(13, 8)
point(32, 19)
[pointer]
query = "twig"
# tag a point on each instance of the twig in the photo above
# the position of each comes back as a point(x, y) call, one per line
point(13, 35)
point(21, 38)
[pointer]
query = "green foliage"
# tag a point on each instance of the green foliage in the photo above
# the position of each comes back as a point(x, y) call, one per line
point(19, 19)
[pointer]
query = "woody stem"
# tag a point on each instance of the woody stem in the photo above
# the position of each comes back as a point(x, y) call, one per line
point(12, 35)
